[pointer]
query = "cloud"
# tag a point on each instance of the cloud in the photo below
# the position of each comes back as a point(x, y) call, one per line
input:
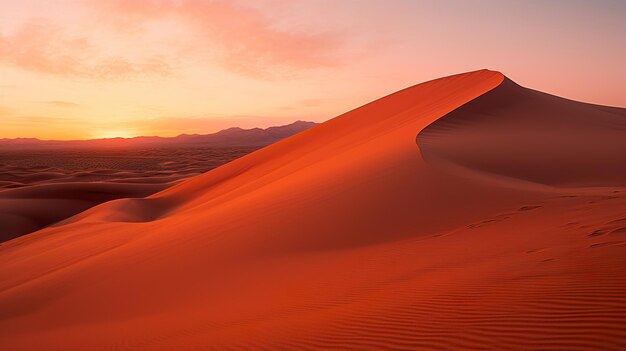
point(118, 39)
point(239, 39)
point(43, 47)
point(61, 104)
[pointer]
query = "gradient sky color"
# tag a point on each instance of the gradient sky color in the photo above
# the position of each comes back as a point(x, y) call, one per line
point(79, 69)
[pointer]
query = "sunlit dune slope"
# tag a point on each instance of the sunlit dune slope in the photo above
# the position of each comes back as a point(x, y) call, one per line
point(351, 235)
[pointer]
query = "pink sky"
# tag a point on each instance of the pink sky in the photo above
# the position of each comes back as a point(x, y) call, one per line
point(76, 69)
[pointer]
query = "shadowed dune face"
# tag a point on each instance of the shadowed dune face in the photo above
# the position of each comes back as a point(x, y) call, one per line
point(27, 209)
point(520, 133)
point(343, 237)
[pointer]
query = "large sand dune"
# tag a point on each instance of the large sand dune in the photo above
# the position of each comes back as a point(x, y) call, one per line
point(352, 235)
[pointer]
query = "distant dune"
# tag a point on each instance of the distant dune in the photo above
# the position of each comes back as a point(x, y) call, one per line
point(464, 213)
point(230, 137)
point(49, 181)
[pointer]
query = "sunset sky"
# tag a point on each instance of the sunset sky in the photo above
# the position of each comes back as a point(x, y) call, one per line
point(79, 69)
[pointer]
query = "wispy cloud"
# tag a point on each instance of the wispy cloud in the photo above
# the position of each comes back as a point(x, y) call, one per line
point(43, 47)
point(60, 104)
point(152, 37)
point(239, 39)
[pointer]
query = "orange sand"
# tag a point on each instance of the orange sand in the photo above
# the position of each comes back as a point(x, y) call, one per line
point(462, 213)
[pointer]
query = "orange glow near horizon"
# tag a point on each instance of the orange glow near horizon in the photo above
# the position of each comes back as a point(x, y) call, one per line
point(113, 134)
point(80, 69)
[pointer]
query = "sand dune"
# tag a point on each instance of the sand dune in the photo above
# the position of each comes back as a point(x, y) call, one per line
point(44, 187)
point(24, 210)
point(68, 177)
point(521, 133)
point(352, 235)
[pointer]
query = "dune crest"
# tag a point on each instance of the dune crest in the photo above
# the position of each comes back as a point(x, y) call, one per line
point(521, 133)
point(352, 235)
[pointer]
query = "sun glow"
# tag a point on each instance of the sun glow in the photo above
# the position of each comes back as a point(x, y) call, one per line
point(110, 134)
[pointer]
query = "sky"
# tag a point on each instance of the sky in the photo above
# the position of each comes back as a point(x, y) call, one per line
point(82, 69)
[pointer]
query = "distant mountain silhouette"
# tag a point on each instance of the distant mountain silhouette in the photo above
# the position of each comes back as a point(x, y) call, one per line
point(225, 138)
